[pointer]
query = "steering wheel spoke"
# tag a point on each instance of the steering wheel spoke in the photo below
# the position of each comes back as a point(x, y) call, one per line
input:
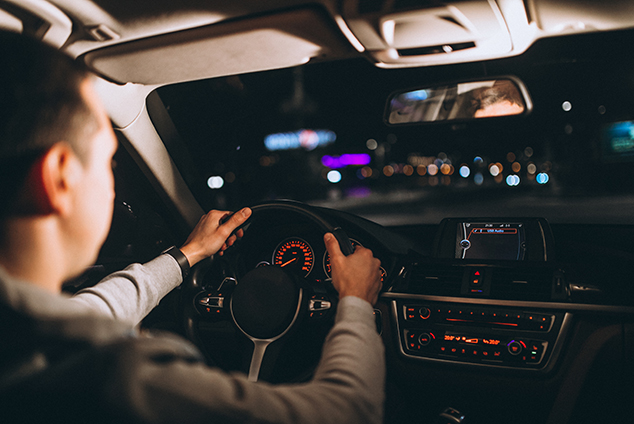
point(259, 349)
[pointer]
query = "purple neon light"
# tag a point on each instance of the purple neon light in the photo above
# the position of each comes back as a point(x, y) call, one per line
point(336, 162)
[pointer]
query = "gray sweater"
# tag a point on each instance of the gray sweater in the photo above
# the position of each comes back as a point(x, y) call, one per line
point(81, 358)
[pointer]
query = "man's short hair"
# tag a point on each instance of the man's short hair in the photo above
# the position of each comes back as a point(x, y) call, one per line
point(40, 105)
point(501, 91)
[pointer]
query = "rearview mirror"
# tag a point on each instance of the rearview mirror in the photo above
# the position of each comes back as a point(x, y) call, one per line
point(459, 101)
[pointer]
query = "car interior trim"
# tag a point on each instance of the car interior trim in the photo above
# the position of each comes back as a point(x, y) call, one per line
point(577, 307)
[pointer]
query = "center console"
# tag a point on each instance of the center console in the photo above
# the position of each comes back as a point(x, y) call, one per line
point(492, 336)
point(485, 298)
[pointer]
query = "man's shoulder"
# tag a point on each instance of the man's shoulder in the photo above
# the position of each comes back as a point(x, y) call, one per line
point(59, 367)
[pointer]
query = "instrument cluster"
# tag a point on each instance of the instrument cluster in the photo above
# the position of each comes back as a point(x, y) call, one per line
point(297, 255)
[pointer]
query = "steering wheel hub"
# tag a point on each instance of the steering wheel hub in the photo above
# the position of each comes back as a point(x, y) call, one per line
point(265, 303)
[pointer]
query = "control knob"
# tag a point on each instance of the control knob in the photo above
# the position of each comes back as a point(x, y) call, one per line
point(515, 347)
point(424, 312)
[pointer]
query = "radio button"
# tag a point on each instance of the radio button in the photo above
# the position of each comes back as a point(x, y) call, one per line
point(410, 313)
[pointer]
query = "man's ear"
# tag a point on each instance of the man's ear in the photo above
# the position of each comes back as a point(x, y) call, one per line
point(52, 179)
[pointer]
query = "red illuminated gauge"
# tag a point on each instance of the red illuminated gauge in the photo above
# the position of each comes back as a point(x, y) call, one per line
point(327, 267)
point(327, 257)
point(294, 255)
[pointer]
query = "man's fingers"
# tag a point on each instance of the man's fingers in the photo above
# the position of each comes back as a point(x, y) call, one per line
point(332, 245)
point(235, 220)
point(231, 240)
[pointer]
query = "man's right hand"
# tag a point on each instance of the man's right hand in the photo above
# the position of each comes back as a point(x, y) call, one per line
point(357, 274)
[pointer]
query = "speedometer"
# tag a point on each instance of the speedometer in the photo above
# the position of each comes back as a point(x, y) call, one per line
point(295, 255)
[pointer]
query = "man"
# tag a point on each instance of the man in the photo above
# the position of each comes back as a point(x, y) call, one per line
point(78, 359)
point(501, 99)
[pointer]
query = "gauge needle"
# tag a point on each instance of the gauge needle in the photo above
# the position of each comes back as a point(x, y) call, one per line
point(288, 262)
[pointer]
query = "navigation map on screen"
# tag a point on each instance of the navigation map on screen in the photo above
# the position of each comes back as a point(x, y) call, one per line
point(490, 240)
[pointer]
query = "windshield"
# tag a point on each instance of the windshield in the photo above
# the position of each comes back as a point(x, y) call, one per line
point(318, 134)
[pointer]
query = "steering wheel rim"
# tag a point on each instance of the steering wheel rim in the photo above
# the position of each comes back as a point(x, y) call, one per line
point(194, 287)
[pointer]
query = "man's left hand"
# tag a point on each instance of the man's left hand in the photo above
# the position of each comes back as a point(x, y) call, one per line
point(211, 235)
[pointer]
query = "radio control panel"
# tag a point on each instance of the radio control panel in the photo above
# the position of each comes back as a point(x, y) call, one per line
point(493, 336)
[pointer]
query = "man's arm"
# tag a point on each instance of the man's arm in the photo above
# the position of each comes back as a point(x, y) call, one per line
point(129, 295)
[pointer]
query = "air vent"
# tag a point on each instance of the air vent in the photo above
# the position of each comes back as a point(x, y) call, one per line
point(440, 280)
point(522, 284)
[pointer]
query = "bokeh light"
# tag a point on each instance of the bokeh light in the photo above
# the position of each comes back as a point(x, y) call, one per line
point(566, 106)
point(516, 167)
point(542, 178)
point(478, 178)
point(215, 182)
point(513, 180)
point(334, 176)
point(494, 170)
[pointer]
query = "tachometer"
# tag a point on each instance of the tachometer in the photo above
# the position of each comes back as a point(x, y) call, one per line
point(327, 267)
point(327, 257)
point(296, 255)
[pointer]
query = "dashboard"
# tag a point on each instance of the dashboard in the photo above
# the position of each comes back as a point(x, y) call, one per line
point(492, 303)
point(459, 304)
point(472, 260)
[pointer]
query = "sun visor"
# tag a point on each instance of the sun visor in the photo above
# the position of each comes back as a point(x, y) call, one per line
point(246, 45)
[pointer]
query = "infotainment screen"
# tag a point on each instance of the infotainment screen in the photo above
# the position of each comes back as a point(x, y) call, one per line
point(490, 241)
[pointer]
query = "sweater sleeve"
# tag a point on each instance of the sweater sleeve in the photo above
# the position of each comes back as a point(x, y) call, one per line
point(348, 385)
point(129, 295)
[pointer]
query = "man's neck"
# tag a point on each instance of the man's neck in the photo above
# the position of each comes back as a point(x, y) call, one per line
point(31, 252)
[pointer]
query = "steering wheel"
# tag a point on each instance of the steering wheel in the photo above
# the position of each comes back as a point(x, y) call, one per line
point(267, 303)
